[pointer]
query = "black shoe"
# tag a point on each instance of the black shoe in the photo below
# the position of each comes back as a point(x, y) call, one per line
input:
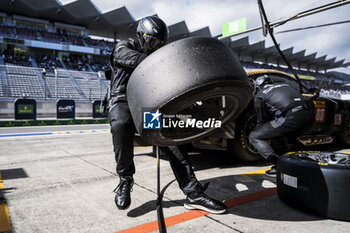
point(272, 172)
point(198, 200)
point(122, 198)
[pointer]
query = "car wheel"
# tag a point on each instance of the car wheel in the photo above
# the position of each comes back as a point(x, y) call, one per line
point(345, 132)
point(317, 182)
point(240, 145)
point(198, 77)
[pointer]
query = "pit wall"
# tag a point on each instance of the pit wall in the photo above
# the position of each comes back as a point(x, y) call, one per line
point(45, 109)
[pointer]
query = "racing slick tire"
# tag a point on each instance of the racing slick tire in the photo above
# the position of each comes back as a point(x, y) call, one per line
point(317, 182)
point(345, 132)
point(196, 76)
point(240, 145)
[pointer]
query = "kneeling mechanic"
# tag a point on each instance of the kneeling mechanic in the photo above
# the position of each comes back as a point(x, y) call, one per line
point(291, 113)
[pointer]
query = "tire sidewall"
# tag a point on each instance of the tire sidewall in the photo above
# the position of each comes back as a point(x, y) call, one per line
point(320, 188)
point(344, 136)
point(240, 145)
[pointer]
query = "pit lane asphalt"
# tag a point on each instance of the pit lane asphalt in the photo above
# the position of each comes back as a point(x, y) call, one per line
point(64, 182)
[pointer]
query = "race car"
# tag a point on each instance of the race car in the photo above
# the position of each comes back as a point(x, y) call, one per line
point(331, 123)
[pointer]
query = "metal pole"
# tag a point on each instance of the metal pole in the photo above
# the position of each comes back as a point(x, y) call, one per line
point(55, 70)
point(100, 80)
point(160, 215)
point(269, 29)
point(45, 87)
point(43, 73)
point(297, 16)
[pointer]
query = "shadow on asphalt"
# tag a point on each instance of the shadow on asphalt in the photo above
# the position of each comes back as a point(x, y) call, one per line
point(275, 210)
point(221, 159)
point(269, 208)
point(151, 206)
point(212, 159)
point(14, 173)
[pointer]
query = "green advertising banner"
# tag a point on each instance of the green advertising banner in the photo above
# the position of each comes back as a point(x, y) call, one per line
point(25, 109)
point(96, 113)
point(234, 27)
point(97, 108)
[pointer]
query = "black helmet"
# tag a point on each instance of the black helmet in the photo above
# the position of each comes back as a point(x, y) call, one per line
point(152, 33)
point(260, 82)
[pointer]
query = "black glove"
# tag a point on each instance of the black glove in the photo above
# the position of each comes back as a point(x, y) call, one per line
point(104, 102)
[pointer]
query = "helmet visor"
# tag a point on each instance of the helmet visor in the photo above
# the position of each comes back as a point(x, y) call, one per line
point(153, 43)
point(260, 80)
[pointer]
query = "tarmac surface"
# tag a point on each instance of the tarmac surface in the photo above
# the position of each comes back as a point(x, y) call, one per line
point(61, 178)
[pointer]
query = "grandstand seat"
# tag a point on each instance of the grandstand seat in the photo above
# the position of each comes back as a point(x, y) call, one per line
point(15, 69)
point(90, 87)
point(1, 91)
point(24, 85)
point(66, 89)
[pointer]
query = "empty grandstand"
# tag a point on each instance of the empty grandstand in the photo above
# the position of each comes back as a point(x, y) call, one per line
point(29, 82)
point(61, 86)
point(24, 86)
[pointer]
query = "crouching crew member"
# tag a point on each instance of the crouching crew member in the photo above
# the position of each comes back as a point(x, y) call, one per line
point(281, 112)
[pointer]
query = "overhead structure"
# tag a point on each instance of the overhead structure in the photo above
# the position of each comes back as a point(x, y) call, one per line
point(120, 24)
point(257, 52)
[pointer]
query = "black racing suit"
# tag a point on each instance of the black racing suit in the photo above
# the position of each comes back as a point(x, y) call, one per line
point(281, 112)
point(125, 57)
